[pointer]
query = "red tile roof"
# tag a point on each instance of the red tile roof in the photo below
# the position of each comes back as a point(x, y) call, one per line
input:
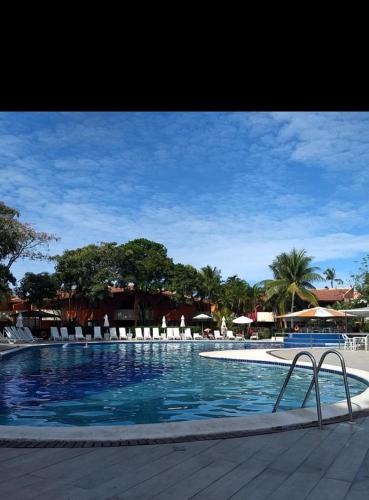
point(334, 294)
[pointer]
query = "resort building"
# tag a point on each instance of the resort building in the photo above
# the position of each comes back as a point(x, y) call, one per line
point(120, 308)
point(328, 296)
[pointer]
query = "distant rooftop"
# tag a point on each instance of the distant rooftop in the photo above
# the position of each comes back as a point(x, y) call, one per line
point(335, 294)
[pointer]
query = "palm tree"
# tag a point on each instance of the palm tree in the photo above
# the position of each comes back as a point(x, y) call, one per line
point(293, 275)
point(235, 295)
point(255, 295)
point(226, 313)
point(210, 283)
point(330, 275)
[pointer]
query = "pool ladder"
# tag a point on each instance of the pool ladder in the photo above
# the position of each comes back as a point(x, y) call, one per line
point(315, 382)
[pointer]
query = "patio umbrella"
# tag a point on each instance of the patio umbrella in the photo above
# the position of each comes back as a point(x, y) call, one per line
point(183, 324)
point(19, 322)
point(316, 312)
point(163, 323)
point(202, 318)
point(223, 326)
point(242, 320)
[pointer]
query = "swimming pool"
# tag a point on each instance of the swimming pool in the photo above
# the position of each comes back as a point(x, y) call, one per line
point(126, 384)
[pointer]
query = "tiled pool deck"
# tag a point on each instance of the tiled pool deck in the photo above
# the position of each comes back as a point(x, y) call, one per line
point(297, 464)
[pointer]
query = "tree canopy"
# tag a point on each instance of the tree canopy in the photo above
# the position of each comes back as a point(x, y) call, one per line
point(293, 275)
point(18, 240)
point(88, 271)
point(235, 295)
point(361, 279)
point(209, 283)
point(37, 287)
point(330, 275)
point(183, 280)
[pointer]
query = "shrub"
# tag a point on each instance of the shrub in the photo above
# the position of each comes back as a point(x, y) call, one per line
point(265, 333)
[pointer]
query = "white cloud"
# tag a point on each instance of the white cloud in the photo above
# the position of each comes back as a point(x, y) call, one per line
point(224, 189)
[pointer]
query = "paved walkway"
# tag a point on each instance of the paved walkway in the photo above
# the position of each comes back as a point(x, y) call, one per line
point(299, 464)
point(307, 463)
point(354, 359)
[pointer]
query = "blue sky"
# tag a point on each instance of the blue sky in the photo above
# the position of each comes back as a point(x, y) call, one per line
point(232, 190)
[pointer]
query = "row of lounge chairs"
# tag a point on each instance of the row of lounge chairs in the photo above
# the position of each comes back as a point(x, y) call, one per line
point(15, 334)
point(146, 334)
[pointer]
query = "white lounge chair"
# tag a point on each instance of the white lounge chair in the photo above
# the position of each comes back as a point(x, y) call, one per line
point(156, 334)
point(197, 336)
point(254, 336)
point(23, 334)
point(176, 334)
point(147, 334)
point(349, 343)
point(138, 333)
point(54, 333)
point(218, 335)
point(188, 334)
point(97, 333)
point(170, 334)
point(122, 333)
point(28, 334)
point(12, 339)
point(229, 335)
point(113, 333)
point(16, 334)
point(78, 333)
point(64, 333)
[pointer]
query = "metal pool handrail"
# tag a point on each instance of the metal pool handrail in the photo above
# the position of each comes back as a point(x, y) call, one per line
point(315, 382)
point(344, 375)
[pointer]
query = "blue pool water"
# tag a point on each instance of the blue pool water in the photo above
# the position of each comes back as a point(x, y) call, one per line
point(123, 384)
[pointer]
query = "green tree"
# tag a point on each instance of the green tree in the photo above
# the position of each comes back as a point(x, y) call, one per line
point(235, 295)
point(18, 240)
point(87, 272)
point(293, 275)
point(360, 279)
point(145, 264)
point(37, 287)
point(255, 296)
point(228, 315)
point(183, 280)
point(210, 280)
point(330, 275)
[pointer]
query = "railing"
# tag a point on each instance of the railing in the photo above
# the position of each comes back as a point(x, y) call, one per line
point(344, 375)
point(315, 382)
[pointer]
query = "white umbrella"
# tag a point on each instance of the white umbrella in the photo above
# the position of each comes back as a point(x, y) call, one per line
point(182, 325)
point(223, 326)
point(243, 320)
point(202, 317)
point(163, 323)
point(19, 322)
point(106, 320)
